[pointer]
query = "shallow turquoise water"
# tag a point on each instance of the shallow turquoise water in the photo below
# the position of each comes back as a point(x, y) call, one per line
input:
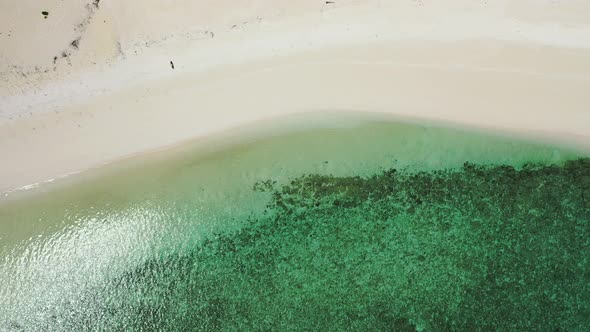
point(364, 225)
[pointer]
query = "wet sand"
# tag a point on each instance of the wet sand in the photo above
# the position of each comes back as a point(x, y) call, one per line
point(502, 66)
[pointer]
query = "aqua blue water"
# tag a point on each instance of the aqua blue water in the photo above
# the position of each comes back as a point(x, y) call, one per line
point(362, 226)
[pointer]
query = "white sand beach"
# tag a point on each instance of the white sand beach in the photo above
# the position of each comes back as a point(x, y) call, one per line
point(93, 81)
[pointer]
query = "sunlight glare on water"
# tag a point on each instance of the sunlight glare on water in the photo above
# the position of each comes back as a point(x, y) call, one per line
point(376, 224)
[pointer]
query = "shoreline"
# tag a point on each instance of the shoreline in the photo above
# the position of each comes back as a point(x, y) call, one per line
point(203, 148)
point(484, 78)
point(224, 167)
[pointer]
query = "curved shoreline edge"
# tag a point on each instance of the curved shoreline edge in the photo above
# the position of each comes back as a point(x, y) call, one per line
point(502, 67)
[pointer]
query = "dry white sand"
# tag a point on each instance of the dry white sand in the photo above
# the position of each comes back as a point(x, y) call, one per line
point(92, 82)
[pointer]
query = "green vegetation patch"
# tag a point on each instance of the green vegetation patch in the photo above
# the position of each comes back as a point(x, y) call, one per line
point(476, 248)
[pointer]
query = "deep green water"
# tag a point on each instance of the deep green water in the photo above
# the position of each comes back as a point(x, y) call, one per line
point(361, 226)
